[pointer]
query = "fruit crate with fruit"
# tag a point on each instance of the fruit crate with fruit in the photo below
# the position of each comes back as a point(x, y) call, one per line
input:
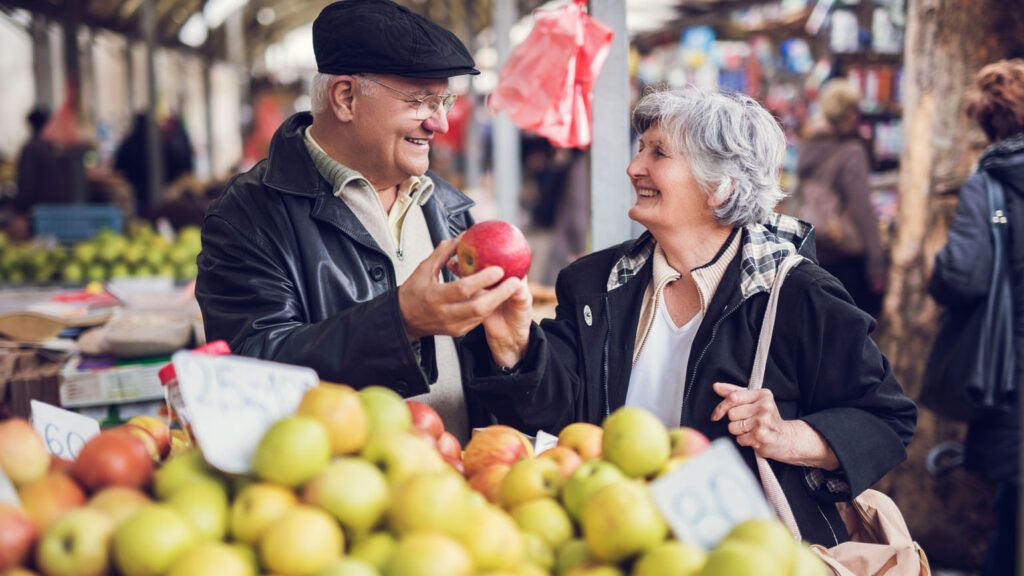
point(364, 483)
point(92, 382)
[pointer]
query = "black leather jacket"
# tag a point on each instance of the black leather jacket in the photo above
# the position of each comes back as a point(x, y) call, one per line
point(288, 273)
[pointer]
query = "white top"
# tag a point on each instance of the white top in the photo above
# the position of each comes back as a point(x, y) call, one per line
point(658, 379)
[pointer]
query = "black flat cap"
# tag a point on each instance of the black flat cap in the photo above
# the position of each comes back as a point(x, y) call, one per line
point(379, 36)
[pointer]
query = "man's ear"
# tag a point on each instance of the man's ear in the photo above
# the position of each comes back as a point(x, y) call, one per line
point(341, 93)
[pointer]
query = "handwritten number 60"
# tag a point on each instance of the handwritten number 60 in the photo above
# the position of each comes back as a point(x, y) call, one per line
point(72, 443)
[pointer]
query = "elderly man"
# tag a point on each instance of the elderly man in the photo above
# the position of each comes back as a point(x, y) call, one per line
point(331, 252)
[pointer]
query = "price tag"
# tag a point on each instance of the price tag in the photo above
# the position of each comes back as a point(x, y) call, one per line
point(64, 432)
point(8, 495)
point(705, 497)
point(544, 442)
point(231, 401)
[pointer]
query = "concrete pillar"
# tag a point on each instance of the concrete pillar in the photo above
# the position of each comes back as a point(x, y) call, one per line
point(507, 162)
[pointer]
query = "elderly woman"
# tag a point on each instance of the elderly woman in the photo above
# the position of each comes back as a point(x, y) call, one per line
point(669, 321)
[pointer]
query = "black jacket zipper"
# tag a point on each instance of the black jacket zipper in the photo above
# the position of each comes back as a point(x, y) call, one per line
point(693, 374)
point(604, 359)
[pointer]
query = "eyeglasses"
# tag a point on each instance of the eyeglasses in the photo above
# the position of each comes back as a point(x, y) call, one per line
point(428, 105)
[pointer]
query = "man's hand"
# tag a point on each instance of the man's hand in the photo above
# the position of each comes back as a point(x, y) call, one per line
point(432, 307)
point(755, 421)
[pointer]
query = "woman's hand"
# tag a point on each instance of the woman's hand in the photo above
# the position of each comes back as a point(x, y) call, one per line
point(508, 327)
point(755, 421)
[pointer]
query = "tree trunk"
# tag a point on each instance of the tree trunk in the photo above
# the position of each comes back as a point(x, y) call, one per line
point(947, 42)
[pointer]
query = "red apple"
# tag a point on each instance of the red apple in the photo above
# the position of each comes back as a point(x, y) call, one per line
point(114, 458)
point(23, 455)
point(448, 445)
point(160, 430)
point(687, 442)
point(494, 243)
point(49, 498)
point(566, 458)
point(425, 418)
point(63, 465)
point(146, 438)
point(489, 481)
point(584, 438)
point(17, 534)
point(495, 445)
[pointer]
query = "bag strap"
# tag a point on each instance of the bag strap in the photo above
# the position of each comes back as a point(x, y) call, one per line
point(1000, 279)
point(771, 485)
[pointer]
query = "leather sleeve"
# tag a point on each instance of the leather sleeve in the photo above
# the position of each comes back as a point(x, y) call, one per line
point(248, 297)
point(848, 391)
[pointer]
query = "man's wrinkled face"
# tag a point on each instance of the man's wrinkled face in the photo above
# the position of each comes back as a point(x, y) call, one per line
point(395, 144)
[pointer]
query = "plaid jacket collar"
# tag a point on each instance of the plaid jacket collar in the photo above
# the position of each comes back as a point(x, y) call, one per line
point(762, 249)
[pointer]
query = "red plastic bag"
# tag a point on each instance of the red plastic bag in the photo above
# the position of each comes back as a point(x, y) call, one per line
point(547, 84)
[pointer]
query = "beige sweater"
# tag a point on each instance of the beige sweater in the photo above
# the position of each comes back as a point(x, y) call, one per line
point(404, 236)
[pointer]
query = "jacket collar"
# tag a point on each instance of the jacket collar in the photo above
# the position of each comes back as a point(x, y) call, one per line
point(291, 170)
point(763, 247)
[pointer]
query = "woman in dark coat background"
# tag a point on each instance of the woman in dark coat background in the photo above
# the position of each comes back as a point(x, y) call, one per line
point(670, 321)
point(961, 278)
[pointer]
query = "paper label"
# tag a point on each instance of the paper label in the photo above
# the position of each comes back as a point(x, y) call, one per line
point(544, 442)
point(706, 496)
point(231, 401)
point(8, 495)
point(63, 431)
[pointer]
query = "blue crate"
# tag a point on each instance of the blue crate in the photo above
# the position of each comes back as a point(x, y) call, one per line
point(72, 223)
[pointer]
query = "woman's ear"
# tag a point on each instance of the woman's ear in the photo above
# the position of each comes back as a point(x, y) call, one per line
point(342, 97)
point(722, 193)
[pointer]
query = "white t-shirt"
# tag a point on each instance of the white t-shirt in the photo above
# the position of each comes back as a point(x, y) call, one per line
point(658, 380)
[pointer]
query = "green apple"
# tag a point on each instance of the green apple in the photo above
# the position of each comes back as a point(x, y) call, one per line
point(151, 540)
point(339, 408)
point(304, 541)
point(590, 477)
point(494, 542)
point(119, 502)
point(256, 508)
point(354, 491)
point(182, 470)
point(429, 554)
point(292, 451)
point(375, 549)
point(670, 558)
point(769, 535)
point(77, 544)
point(530, 479)
point(436, 502)
point(538, 551)
point(595, 569)
point(386, 409)
point(348, 567)
point(212, 559)
point(635, 441)
point(72, 273)
point(23, 454)
point(621, 520)
point(571, 554)
point(545, 518)
point(205, 504)
point(740, 559)
point(401, 455)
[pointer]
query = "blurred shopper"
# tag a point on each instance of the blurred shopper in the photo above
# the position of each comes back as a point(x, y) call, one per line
point(331, 253)
point(670, 321)
point(39, 175)
point(963, 282)
point(834, 196)
point(132, 159)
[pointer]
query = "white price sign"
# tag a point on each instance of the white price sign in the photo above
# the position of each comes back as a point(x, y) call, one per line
point(544, 442)
point(705, 497)
point(8, 495)
point(64, 432)
point(231, 401)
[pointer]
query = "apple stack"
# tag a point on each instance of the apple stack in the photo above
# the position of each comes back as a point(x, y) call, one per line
point(366, 483)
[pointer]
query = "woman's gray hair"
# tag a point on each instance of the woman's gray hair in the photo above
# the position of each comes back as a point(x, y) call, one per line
point(734, 147)
point(320, 101)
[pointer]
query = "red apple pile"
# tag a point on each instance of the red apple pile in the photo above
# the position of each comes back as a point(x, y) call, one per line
point(362, 483)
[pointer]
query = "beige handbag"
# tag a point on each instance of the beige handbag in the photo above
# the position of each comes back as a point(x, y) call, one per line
point(880, 543)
